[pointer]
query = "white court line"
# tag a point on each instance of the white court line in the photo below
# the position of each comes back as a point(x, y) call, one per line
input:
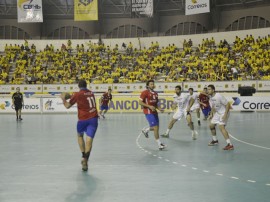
point(254, 145)
point(194, 168)
point(267, 184)
point(174, 162)
point(235, 178)
point(251, 181)
point(219, 174)
point(167, 160)
point(206, 171)
point(184, 165)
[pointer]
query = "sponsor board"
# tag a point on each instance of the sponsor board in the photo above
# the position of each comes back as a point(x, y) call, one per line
point(31, 105)
point(56, 105)
point(249, 103)
point(197, 6)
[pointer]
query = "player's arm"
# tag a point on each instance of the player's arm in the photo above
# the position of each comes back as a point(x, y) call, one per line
point(22, 100)
point(146, 105)
point(159, 108)
point(65, 103)
point(13, 99)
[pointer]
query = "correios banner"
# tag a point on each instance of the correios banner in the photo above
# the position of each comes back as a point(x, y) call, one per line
point(197, 6)
point(29, 11)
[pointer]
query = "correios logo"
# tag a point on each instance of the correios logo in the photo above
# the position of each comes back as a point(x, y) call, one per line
point(85, 2)
point(196, 5)
point(236, 100)
point(27, 6)
point(3, 106)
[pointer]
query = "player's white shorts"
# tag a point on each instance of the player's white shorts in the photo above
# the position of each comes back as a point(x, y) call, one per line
point(217, 119)
point(194, 107)
point(179, 114)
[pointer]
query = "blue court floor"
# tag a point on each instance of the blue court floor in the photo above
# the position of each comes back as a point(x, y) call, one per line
point(40, 161)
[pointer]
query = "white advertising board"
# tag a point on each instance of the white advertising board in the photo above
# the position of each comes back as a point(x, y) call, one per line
point(31, 105)
point(54, 105)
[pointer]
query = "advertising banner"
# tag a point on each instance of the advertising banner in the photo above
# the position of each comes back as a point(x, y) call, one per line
point(85, 10)
point(54, 105)
point(29, 11)
point(142, 7)
point(31, 105)
point(197, 6)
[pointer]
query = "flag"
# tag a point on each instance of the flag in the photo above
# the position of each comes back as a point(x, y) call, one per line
point(85, 10)
point(197, 6)
point(29, 11)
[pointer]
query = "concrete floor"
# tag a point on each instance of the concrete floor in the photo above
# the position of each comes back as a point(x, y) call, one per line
point(40, 161)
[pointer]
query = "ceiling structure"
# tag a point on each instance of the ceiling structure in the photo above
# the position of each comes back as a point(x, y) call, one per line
point(63, 9)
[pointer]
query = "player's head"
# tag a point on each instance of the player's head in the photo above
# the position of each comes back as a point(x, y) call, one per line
point(18, 89)
point(109, 90)
point(211, 89)
point(190, 90)
point(205, 89)
point(150, 84)
point(178, 89)
point(82, 83)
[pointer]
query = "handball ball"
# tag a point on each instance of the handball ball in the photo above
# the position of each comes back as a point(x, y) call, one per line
point(66, 95)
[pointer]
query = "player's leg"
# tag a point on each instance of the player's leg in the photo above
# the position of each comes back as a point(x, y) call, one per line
point(198, 116)
point(104, 112)
point(212, 127)
point(225, 133)
point(194, 133)
point(170, 126)
point(20, 113)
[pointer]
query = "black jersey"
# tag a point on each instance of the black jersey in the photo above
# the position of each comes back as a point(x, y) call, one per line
point(18, 98)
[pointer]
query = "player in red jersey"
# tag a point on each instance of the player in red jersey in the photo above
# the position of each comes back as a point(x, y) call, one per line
point(204, 103)
point(104, 103)
point(88, 119)
point(149, 101)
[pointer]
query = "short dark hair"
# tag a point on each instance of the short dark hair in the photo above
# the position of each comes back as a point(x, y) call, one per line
point(179, 87)
point(212, 87)
point(205, 88)
point(147, 83)
point(82, 83)
point(191, 89)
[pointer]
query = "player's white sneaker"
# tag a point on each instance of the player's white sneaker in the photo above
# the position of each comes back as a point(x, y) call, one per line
point(194, 135)
point(162, 146)
point(165, 135)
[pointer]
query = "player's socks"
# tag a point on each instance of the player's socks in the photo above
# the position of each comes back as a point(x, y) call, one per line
point(168, 131)
point(229, 141)
point(214, 138)
point(158, 141)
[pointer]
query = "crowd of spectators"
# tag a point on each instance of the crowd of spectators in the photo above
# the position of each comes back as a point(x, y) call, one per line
point(245, 59)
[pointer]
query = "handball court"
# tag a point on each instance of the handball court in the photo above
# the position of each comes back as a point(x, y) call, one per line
point(40, 161)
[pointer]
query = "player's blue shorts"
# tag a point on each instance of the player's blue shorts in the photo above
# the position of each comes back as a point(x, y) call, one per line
point(152, 119)
point(206, 111)
point(103, 107)
point(88, 126)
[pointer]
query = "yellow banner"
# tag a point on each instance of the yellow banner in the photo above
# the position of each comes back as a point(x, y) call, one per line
point(131, 104)
point(85, 10)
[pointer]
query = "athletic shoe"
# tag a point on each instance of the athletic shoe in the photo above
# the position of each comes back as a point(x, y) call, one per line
point(161, 146)
point(165, 135)
point(213, 143)
point(199, 122)
point(194, 135)
point(145, 132)
point(84, 164)
point(103, 116)
point(228, 147)
point(20, 119)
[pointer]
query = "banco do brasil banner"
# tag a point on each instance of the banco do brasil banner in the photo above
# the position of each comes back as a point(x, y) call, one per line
point(29, 11)
point(85, 10)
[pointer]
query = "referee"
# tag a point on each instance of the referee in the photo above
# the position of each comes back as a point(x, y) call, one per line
point(17, 101)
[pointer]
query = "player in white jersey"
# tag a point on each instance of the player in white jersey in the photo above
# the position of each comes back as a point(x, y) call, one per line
point(219, 115)
point(183, 103)
point(196, 106)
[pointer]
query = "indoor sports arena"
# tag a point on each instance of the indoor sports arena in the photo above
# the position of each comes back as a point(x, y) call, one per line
point(134, 100)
